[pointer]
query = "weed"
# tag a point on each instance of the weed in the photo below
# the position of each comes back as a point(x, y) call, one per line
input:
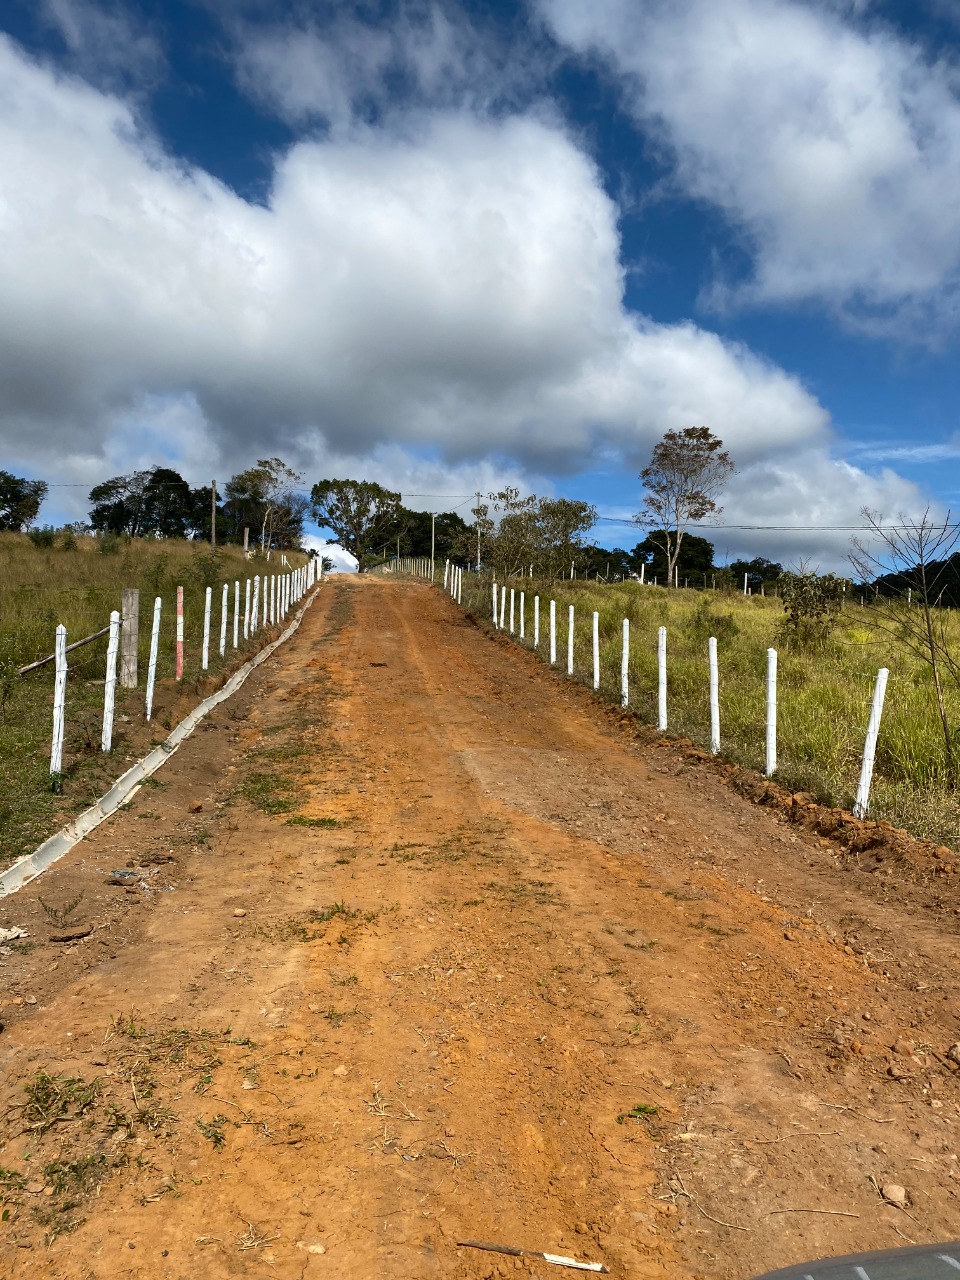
point(349, 981)
point(62, 916)
point(213, 1131)
point(271, 793)
point(642, 1111)
point(326, 914)
point(51, 1099)
point(326, 824)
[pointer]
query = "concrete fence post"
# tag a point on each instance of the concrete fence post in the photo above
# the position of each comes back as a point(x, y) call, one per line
point(862, 804)
point(59, 708)
point(179, 633)
point(154, 651)
point(130, 637)
point(110, 683)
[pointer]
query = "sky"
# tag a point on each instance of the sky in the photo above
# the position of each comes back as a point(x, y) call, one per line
point(455, 246)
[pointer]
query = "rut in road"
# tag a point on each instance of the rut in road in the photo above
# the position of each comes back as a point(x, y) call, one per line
point(497, 978)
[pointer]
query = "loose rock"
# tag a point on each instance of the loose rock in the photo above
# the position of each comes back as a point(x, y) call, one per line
point(894, 1194)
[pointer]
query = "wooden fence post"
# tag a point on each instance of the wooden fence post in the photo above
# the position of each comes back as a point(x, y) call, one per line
point(130, 625)
point(661, 679)
point(110, 683)
point(570, 642)
point(553, 633)
point(523, 611)
point(536, 622)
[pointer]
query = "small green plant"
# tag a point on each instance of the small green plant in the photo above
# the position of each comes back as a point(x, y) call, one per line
point(325, 823)
point(642, 1111)
point(213, 1131)
point(55, 1099)
point(62, 917)
point(45, 537)
point(335, 909)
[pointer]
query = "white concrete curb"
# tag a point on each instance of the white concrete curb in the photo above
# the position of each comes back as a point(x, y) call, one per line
point(52, 850)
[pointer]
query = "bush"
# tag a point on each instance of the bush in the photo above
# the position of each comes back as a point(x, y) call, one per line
point(812, 604)
point(44, 537)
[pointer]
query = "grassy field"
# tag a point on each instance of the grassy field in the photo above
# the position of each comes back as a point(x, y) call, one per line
point(78, 584)
point(824, 692)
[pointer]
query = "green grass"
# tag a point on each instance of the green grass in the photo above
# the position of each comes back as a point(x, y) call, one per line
point(824, 692)
point(79, 586)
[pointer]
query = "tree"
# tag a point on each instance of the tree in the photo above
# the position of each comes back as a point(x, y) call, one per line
point(119, 504)
point(419, 529)
point(687, 470)
point(19, 500)
point(156, 501)
point(759, 570)
point(599, 562)
point(694, 557)
point(266, 500)
point(359, 513)
point(516, 532)
point(917, 555)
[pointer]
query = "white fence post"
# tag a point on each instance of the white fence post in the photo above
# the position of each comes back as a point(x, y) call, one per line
point(207, 603)
point(110, 683)
point(460, 585)
point(503, 605)
point(570, 642)
point(154, 651)
point(553, 633)
point(771, 763)
point(522, 613)
point(625, 665)
point(246, 612)
point(224, 613)
point(255, 606)
point(596, 650)
point(661, 678)
point(59, 704)
point(714, 695)
point(862, 803)
point(236, 613)
point(536, 622)
point(512, 611)
point(494, 604)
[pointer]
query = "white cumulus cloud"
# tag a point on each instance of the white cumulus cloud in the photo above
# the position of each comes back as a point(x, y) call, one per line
point(831, 141)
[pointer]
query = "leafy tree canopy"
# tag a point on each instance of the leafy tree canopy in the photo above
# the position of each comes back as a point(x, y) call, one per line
point(695, 556)
point(266, 499)
point(686, 471)
point(360, 513)
point(19, 500)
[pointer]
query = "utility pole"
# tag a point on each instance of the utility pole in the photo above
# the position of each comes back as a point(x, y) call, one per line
point(478, 531)
point(213, 515)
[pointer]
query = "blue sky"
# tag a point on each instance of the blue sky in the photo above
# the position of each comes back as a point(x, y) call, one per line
point(453, 246)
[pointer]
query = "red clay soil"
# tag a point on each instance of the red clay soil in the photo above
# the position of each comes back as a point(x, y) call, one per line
point(425, 945)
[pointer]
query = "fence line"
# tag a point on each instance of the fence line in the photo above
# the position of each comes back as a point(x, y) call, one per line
point(499, 597)
point(285, 590)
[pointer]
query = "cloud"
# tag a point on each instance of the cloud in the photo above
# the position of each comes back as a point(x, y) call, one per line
point(105, 44)
point(449, 287)
point(336, 68)
point(831, 142)
point(343, 561)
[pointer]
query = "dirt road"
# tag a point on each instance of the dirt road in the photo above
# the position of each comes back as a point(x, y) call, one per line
point(425, 946)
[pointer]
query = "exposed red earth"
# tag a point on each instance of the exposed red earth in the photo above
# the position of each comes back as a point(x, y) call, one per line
point(495, 968)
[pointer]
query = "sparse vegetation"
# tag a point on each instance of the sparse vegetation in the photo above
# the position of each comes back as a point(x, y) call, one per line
point(46, 581)
point(824, 689)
